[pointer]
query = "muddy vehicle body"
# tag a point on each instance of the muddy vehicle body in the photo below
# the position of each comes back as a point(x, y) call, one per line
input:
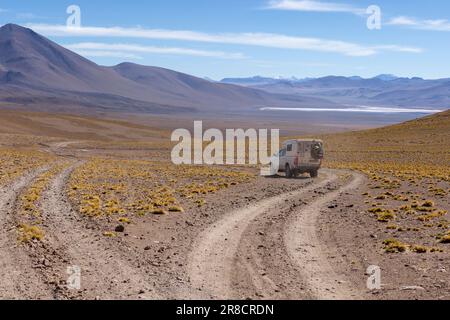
point(301, 156)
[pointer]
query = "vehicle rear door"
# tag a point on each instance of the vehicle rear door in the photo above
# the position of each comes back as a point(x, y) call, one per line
point(283, 159)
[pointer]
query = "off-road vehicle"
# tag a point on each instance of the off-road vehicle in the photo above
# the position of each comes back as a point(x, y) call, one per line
point(301, 156)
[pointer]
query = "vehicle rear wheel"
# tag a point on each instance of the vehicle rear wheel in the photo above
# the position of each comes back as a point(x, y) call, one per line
point(314, 173)
point(288, 172)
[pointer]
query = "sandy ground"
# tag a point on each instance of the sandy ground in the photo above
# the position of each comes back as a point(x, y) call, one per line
point(407, 275)
point(273, 238)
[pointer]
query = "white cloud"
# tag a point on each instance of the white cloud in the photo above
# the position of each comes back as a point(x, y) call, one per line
point(402, 21)
point(314, 6)
point(269, 40)
point(119, 47)
point(431, 25)
point(399, 49)
point(28, 16)
point(107, 54)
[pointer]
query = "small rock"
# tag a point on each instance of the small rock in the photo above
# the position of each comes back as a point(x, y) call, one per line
point(147, 248)
point(375, 292)
point(120, 228)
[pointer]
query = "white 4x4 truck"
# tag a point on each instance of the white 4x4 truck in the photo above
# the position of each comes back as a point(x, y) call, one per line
point(300, 156)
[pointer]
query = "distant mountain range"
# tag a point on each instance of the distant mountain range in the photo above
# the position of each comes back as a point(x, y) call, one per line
point(382, 90)
point(258, 80)
point(37, 74)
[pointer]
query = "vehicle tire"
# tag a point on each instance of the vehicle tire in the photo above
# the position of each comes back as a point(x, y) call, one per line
point(296, 173)
point(288, 172)
point(314, 173)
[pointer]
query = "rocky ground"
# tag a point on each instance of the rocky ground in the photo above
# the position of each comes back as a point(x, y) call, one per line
point(267, 238)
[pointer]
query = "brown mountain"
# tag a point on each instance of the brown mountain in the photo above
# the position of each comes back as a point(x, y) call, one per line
point(38, 74)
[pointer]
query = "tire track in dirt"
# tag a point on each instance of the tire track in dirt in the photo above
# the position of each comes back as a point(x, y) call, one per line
point(212, 259)
point(105, 271)
point(18, 280)
point(306, 251)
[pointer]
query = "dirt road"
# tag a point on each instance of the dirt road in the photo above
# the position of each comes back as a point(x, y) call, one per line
point(41, 270)
point(269, 250)
point(307, 252)
point(17, 277)
point(105, 270)
point(270, 238)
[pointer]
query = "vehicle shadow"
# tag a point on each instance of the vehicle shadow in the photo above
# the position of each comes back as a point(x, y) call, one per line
point(284, 177)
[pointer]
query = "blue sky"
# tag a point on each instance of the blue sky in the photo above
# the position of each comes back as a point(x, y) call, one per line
point(238, 38)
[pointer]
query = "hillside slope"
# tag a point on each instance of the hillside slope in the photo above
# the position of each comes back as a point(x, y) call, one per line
point(429, 134)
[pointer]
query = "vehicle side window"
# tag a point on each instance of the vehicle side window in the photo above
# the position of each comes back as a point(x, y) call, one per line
point(282, 153)
point(289, 147)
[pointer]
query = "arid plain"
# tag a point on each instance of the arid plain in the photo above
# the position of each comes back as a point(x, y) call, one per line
point(103, 195)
